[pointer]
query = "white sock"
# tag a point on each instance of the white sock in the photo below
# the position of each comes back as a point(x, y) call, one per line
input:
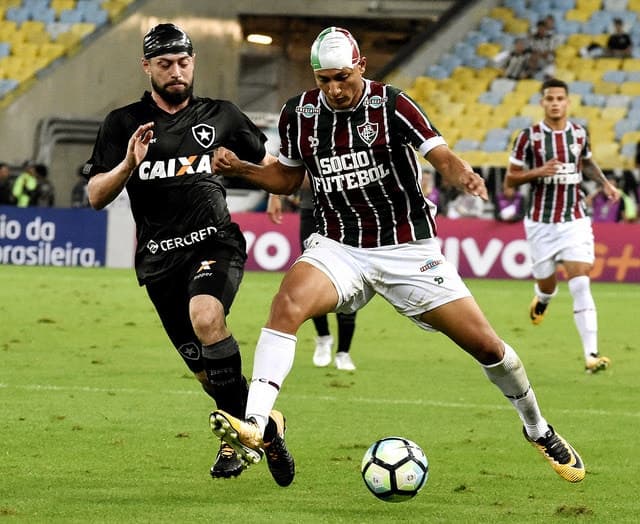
point(584, 314)
point(511, 378)
point(271, 364)
point(543, 297)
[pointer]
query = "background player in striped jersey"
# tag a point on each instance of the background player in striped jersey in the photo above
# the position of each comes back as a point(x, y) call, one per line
point(358, 139)
point(552, 156)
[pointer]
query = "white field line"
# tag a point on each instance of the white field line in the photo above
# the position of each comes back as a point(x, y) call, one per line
point(329, 398)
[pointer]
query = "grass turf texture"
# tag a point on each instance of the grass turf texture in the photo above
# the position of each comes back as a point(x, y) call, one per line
point(100, 420)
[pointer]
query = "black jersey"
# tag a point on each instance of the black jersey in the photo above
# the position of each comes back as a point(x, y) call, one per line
point(177, 202)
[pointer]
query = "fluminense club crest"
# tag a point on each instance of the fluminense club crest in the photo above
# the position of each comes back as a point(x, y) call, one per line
point(368, 132)
point(204, 134)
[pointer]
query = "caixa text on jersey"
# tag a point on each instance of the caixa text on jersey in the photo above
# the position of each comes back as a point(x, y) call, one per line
point(183, 165)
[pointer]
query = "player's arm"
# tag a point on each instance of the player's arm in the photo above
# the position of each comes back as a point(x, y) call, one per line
point(456, 171)
point(593, 172)
point(274, 177)
point(518, 175)
point(103, 188)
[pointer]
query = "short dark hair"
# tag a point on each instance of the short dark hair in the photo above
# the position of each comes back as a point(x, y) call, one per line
point(554, 82)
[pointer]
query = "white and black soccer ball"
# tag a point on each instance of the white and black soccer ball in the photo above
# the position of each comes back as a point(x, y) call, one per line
point(395, 469)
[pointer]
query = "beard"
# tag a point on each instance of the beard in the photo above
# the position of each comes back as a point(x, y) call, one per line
point(173, 97)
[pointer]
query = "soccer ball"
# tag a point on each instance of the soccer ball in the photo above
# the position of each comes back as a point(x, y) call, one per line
point(395, 469)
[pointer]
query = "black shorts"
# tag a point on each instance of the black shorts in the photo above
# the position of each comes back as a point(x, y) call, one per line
point(217, 271)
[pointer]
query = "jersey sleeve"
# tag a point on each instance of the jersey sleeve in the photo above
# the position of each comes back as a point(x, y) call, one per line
point(110, 147)
point(247, 141)
point(519, 149)
point(416, 126)
point(290, 154)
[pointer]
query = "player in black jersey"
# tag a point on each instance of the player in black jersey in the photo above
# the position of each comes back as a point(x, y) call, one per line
point(189, 255)
point(357, 140)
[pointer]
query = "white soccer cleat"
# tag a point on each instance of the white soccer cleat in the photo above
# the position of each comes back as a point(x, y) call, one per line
point(343, 362)
point(322, 354)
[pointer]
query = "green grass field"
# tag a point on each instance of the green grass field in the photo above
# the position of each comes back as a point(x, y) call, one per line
point(101, 422)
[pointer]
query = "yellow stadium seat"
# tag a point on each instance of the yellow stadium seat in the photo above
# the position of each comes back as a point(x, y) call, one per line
point(599, 134)
point(607, 64)
point(589, 113)
point(631, 64)
point(502, 13)
point(613, 114)
point(589, 5)
point(475, 158)
point(633, 5)
point(498, 158)
point(61, 5)
point(565, 74)
point(575, 100)
point(578, 15)
point(473, 132)
point(606, 88)
point(531, 110)
point(630, 136)
point(528, 86)
point(588, 75)
point(488, 49)
point(630, 88)
point(517, 26)
point(579, 40)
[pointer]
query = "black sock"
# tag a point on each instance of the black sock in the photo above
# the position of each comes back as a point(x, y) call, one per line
point(322, 325)
point(346, 328)
point(226, 384)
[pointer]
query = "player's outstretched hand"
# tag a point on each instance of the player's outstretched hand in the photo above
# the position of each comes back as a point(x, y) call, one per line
point(139, 144)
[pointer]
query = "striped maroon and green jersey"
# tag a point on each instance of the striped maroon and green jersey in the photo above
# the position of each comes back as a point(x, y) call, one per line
point(558, 198)
point(362, 162)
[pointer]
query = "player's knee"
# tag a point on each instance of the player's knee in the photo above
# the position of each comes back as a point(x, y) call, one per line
point(488, 350)
point(287, 312)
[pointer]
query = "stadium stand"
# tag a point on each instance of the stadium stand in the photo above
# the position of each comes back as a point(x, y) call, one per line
point(36, 33)
point(604, 91)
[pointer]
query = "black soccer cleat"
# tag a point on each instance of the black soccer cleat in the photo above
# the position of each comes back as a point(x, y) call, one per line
point(564, 460)
point(227, 463)
point(280, 462)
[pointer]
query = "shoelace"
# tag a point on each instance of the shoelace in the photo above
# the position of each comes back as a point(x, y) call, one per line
point(556, 449)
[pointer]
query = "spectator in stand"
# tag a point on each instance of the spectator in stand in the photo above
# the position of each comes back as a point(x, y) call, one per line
point(45, 192)
point(79, 195)
point(619, 43)
point(6, 197)
point(25, 187)
point(509, 205)
point(603, 209)
point(518, 64)
point(543, 52)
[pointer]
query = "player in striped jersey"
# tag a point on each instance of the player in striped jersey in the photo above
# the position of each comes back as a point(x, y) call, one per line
point(357, 140)
point(551, 156)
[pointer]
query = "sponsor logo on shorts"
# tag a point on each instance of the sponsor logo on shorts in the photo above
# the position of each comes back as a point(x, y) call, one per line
point(438, 280)
point(205, 265)
point(430, 264)
point(190, 351)
point(187, 240)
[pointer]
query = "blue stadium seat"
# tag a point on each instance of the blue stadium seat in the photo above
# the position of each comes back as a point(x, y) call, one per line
point(475, 38)
point(541, 7)
point(624, 126)
point(5, 49)
point(464, 51)
point(70, 16)
point(618, 101)
point(438, 72)
point(476, 62)
point(565, 5)
point(494, 146)
point(569, 27)
point(18, 14)
point(498, 135)
point(518, 122)
point(594, 99)
point(580, 87)
point(614, 5)
point(633, 76)
point(492, 98)
point(628, 149)
point(45, 15)
point(466, 144)
point(614, 76)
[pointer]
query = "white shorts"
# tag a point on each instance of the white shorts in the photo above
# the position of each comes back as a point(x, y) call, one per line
point(413, 278)
point(553, 243)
